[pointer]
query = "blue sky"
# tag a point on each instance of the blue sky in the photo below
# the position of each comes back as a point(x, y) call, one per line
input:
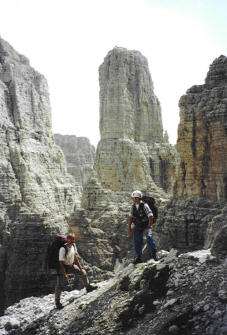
point(68, 40)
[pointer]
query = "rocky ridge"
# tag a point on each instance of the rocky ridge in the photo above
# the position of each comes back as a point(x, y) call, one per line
point(179, 294)
point(36, 193)
point(79, 155)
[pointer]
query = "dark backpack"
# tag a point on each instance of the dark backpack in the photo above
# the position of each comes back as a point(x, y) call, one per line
point(140, 218)
point(147, 199)
point(53, 251)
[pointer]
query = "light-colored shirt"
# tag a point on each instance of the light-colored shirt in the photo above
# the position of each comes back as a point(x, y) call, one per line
point(67, 258)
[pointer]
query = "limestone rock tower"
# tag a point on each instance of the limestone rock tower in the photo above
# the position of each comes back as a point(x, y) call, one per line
point(132, 154)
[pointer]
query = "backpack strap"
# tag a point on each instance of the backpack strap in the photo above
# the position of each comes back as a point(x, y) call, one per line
point(66, 249)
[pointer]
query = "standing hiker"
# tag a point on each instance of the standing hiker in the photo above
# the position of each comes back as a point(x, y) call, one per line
point(141, 216)
point(69, 263)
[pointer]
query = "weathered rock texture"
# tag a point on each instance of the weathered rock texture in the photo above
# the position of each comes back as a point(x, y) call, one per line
point(202, 140)
point(196, 218)
point(180, 294)
point(131, 154)
point(79, 155)
point(35, 190)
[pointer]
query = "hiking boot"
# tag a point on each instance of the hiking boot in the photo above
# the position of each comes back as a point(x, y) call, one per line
point(137, 260)
point(90, 288)
point(58, 304)
point(154, 257)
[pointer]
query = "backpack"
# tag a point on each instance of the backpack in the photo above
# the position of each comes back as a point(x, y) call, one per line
point(151, 203)
point(140, 218)
point(53, 251)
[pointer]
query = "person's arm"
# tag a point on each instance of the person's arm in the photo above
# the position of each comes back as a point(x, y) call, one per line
point(63, 270)
point(77, 262)
point(61, 262)
point(150, 218)
point(150, 221)
point(130, 226)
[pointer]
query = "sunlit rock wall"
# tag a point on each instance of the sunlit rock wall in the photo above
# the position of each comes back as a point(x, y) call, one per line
point(35, 190)
point(202, 140)
point(196, 218)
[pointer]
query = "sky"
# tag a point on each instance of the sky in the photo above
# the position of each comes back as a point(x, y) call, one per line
point(67, 40)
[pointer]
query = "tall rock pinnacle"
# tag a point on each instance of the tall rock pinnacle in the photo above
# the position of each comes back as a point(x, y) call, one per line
point(132, 152)
point(128, 107)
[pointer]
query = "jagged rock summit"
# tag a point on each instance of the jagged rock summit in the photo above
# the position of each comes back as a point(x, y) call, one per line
point(36, 192)
point(79, 155)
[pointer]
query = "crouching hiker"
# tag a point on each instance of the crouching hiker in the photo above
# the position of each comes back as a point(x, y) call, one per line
point(69, 263)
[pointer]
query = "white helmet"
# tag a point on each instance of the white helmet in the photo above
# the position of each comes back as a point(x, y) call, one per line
point(136, 194)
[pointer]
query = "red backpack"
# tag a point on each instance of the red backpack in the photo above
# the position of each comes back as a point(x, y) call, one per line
point(53, 251)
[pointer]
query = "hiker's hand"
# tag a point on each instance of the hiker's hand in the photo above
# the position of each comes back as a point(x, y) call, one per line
point(146, 230)
point(130, 232)
point(65, 277)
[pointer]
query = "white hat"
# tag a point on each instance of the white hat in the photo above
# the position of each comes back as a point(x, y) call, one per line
point(136, 194)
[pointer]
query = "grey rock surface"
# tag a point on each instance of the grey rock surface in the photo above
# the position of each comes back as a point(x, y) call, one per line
point(79, 155)
point(202, 140)
point(131, 154)
point(35, 190)
point(196, 217)
point(150, 298)
point(129, 108)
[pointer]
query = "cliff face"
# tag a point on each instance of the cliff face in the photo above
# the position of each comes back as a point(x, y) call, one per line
point(131, 154)
point(202, 140)
point(196, 217)
point(35, 190)
point(79, 155)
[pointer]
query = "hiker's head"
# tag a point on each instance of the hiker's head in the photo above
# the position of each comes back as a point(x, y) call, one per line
point(71, 238)
point(136, 196)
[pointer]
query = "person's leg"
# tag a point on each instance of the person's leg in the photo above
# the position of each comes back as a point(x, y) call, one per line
point(138, 244)
point(151, 244)
point(82, 274)
point(58, 290)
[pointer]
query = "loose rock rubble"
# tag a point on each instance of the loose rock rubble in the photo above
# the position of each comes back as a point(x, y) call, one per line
point(179, 294)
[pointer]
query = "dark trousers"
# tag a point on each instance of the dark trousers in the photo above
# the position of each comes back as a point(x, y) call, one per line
point(138, 241)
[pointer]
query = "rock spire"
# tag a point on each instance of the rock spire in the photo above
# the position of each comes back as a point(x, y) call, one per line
point(129, 108)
